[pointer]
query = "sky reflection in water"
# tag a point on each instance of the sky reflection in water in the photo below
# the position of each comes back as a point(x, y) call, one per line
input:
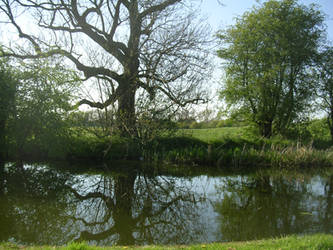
point(44, 204)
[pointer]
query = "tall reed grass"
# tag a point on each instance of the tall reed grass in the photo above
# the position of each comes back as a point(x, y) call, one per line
point(246, 155)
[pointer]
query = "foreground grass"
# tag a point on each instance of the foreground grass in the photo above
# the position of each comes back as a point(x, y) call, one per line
point(318, 241)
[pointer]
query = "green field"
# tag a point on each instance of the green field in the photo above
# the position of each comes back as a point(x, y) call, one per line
point(216, 134)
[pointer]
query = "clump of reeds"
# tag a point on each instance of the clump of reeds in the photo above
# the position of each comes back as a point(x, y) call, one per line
point(277, 156)
point(240, 156)
point(299, 156)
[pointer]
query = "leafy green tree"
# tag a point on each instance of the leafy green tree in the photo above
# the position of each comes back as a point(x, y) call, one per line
point(43, 99)
point(7, 98)
point(325, 92)
point(267, 55)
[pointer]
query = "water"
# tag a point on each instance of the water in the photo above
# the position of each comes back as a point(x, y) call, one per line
point(48, 204)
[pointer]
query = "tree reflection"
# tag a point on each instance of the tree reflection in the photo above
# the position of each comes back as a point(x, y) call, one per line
point(137, 209)
point(46, 205)
point(5, 232)
point(32, 203)
point(43, 205)
point(264, 205)
point(328, 211)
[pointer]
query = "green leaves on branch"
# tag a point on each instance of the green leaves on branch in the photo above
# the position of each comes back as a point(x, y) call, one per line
point(324, 72)
point(8, 85)
point(267, 55)
point(39, 109)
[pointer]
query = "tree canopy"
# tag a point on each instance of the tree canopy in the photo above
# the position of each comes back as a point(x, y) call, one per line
point(267, 55)
point(8, 85)
point(138, 47)
point(325, 91)
point(43, 100)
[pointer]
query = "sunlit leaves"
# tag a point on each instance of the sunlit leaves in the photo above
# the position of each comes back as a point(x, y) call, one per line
point(267, 55)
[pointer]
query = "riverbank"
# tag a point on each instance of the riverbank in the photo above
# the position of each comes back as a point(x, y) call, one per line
point(318, 241)
point(223, 148)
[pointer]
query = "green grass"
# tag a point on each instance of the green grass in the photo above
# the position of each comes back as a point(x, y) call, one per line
point(318, 241)
point(241, 147)
point(227, 147)
point(215, 134)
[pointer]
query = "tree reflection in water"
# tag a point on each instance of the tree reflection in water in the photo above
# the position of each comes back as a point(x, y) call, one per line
point(328, 205)
point(48, 205)
point(33, 203)
point(267, 205)
point(4, 218)
point(136, 209)
point(45, 206)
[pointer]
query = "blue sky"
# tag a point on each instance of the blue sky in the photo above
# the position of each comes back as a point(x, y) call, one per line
point(220, 16)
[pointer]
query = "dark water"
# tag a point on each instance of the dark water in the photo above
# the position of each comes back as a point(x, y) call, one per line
point(45, 204)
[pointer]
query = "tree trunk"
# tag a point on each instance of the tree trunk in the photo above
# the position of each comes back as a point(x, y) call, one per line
point(126, 110)
point(122, 214)
point(330, 123)
point(2, 177)
point(2, 141)
point(266, 128)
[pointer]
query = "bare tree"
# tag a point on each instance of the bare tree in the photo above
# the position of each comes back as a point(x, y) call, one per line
point(158, 46)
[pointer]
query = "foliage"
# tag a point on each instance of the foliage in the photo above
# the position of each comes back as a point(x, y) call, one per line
point(325, 91)
point(314, 131)
point(267, 62)
point(8, 84)
point(42, 101)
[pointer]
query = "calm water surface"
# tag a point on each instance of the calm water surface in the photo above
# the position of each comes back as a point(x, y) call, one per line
point(48, 204)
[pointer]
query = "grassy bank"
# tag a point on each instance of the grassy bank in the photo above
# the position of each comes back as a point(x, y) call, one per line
point(318, 241)
point(232, 147)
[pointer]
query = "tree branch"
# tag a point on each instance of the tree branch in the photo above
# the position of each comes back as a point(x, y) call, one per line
point(8, 12)
point(87, 70)
point(117, 49)
point(159, 7)
point(101, 105)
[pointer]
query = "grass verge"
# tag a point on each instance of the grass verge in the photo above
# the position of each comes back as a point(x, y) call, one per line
point(318, 241)
point(228, 148)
